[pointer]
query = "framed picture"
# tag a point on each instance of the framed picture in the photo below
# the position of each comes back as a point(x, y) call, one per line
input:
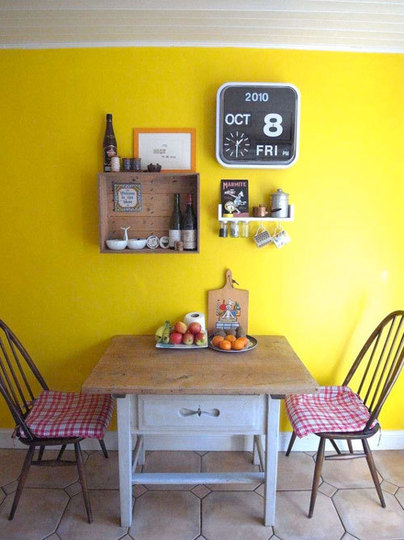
point(128, 198)
point(173, 149)
point(234, 197)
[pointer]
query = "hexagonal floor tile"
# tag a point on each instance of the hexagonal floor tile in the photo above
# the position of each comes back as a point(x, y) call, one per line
point(172, 461)
point(37, 515)
point(229, 462)
point(106, 524)
point(363, 516)
point(292, 522)
point(390, 464)
point(171, 515)
point(295, 472)
point(101, 472)
point(400, 496)
point(231, 515)
point(11, 462)
point(347, 473)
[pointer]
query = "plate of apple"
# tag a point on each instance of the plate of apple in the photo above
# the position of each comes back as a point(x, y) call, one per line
point(181, 336)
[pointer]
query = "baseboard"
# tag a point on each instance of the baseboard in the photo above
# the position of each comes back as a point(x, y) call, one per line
point(387, 440)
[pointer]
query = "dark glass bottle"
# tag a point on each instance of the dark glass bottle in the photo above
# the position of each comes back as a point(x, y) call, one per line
point(110, 146)
point(174, 233)
point(189, 226)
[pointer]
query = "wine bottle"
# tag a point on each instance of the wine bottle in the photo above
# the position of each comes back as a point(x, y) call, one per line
point(189, 226)
point(109, 144)
point(174, 233)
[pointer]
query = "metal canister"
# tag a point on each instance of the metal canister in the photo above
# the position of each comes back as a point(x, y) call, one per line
point(280, 204)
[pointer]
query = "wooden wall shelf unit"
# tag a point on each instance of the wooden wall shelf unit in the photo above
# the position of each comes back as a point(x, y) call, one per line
point(157, 192)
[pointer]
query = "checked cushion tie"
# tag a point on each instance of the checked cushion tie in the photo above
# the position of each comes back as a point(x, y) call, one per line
point(68, 414)
point(331, 409)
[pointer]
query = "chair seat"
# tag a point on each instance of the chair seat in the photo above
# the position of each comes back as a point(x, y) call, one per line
point(331, 409)
point(67, 414)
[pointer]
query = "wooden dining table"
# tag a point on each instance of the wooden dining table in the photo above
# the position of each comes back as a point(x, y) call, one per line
point(200, 392)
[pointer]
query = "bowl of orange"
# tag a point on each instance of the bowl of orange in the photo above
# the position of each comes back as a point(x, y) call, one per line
point(232, 344)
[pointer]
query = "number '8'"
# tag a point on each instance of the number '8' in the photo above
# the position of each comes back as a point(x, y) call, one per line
point(273, 125)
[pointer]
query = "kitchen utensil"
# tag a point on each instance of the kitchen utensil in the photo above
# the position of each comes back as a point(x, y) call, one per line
point(280, 204)
point(262, 237)
point(227, 307)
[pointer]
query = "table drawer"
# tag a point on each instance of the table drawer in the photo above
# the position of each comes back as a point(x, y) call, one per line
point(221, 414)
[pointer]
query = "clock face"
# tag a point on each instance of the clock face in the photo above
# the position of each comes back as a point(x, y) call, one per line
point(257, 125)
point(236, 144)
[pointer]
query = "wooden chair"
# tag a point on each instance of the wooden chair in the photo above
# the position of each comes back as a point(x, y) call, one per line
point(47, 418)
point(373, 374)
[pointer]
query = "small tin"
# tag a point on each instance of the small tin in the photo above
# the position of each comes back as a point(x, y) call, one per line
point(126, 164)
point(136, 164)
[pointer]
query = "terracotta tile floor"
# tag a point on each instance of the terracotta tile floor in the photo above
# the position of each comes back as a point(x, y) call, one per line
point(347, 506)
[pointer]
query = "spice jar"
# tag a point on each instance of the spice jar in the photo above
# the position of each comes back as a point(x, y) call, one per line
point(245, 229)
point(115, 164)
point(223, 229)
point(234, 229)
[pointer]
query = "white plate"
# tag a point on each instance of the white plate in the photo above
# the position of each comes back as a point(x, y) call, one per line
point(180, 346)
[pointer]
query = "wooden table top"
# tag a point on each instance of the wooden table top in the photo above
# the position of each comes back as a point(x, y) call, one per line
point(133, 365)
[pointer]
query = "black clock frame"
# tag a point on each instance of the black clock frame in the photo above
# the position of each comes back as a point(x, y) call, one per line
point(265, 113)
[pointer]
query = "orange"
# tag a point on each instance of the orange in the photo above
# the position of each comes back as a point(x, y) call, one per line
point(245, 340)
point(230, 338)
point(225, 345)
point(238, 344)
point(216, 340)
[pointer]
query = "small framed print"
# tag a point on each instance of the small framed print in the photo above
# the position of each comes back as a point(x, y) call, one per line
point(128, 197)
point(173, 149)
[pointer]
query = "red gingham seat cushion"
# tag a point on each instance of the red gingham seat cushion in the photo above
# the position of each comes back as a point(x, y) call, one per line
point(66, 414)
point(331, 409)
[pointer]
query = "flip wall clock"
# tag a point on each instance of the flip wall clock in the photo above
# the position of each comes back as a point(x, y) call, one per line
point(257, 125)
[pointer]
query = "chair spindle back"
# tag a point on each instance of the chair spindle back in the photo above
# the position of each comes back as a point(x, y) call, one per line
point(18, 375)
point(378, 364)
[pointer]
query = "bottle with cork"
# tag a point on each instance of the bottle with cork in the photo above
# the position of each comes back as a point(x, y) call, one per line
point(109, 144)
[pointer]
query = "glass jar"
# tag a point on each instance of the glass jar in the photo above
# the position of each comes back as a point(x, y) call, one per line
point(223, 232)
point(234, 229)
point(245, 229)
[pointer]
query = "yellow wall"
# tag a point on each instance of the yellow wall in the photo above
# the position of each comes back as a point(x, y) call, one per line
point(325, 291)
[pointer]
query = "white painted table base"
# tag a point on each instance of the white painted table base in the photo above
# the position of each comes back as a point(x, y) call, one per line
point(127, 476)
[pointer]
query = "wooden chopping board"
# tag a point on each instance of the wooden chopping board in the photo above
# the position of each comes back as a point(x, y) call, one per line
point(227, 307)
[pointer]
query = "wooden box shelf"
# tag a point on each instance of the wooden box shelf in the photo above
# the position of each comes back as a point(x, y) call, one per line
point(157, 192)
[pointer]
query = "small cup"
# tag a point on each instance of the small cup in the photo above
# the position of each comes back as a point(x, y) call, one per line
point(136, 164)
point(280, 238)
point(126, 164)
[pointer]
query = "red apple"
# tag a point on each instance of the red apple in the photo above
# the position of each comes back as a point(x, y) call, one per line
point(180, 327)
point(175, 338)
point(188, 338)
point(201, 338)
point(194, 328)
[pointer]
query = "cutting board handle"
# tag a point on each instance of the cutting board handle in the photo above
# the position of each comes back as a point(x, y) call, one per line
point(229, 278)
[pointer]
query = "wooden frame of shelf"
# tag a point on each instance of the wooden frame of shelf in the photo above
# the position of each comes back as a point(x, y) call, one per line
point(158, 191)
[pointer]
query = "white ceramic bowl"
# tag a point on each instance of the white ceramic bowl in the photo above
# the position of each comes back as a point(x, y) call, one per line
point(136, 243)
point(116, 245)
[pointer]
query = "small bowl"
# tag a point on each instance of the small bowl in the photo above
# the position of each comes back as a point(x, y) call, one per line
point(116, 245)
point(136, 243)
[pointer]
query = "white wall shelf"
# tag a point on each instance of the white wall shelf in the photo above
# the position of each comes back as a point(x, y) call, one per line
point(249, 219)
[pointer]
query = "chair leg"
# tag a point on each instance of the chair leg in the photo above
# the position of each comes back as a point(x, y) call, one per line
point(40, 454)
point(335, 446)
point(22, 479)
point(103, 448)
point(83, 482)
point(317, 474)
point(373, 472)
point(350, 447)
point(291, 443)
point(62, 449)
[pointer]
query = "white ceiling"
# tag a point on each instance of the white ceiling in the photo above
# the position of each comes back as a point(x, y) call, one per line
point(349, 25)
